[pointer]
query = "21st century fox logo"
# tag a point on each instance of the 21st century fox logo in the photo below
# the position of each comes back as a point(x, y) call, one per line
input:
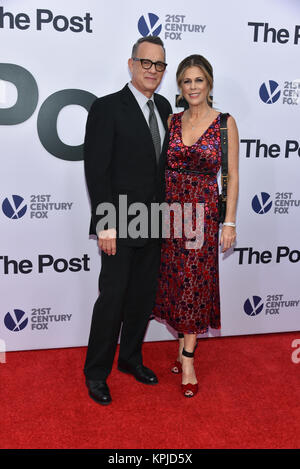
point(15, 206)
point(173, 26)
point(281, 204)
point(270, 92)
point(272, 305)
point(38, 318)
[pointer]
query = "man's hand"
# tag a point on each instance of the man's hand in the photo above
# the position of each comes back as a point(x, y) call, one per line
point(107, 241)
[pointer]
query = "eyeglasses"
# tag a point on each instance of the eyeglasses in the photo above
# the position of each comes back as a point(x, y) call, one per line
point(147, 64)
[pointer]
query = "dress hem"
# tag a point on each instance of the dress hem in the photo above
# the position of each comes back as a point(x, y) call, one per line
point(203, 330)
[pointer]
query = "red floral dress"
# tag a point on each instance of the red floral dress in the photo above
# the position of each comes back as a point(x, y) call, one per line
point(188, 289)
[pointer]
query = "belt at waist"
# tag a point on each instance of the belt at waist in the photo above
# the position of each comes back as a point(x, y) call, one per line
point(190, 171)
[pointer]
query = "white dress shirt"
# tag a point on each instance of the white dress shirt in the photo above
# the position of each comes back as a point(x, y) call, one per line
point(142, 102)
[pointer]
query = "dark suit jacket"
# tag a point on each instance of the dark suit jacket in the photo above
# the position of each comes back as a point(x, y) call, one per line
point(119, 155)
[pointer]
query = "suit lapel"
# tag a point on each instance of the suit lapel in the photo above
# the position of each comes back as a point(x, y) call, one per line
point(137, 119)
point(163, 117)
point(133, 112)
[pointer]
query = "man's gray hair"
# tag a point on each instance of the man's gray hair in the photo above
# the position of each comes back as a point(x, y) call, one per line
point(152, 39)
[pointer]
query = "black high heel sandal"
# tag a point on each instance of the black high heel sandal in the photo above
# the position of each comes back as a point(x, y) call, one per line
point(189, 390)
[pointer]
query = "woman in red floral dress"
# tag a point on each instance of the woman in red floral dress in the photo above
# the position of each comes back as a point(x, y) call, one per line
point(188, 291)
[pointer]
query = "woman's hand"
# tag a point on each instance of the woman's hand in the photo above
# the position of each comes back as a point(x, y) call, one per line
point(228, 237)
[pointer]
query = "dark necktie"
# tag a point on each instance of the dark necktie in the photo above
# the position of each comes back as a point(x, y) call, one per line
point(154, 129)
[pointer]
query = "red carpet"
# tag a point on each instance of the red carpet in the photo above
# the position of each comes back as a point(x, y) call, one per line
point(248, 398)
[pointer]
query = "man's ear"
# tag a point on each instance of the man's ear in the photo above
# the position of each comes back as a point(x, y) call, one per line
point(130, 64)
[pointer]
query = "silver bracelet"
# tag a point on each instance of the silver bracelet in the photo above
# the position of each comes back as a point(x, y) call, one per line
point(229, 223)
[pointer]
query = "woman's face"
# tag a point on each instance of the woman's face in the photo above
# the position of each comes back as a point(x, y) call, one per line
point(194, 86)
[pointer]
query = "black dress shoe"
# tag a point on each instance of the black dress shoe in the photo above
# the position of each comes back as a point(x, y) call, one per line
point(99, 391)
point(140, 372)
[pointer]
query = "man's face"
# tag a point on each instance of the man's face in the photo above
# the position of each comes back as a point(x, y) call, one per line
point(146, 81)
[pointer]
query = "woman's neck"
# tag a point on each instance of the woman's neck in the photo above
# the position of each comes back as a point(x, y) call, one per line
point(198, 112)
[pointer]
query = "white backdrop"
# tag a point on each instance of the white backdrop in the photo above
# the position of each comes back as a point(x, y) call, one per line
point(48, 264)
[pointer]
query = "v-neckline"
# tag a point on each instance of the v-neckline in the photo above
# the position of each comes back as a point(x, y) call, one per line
point(189, 146)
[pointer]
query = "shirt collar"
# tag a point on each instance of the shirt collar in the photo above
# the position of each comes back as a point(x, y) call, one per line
point(140, 97)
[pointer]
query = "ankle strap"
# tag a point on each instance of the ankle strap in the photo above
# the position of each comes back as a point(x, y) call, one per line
point(187, 354)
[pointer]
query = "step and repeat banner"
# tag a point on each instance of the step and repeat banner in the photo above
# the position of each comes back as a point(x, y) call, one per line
point(55, 59)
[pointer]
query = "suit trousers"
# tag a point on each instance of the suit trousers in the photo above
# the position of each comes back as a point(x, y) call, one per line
point(127, 284)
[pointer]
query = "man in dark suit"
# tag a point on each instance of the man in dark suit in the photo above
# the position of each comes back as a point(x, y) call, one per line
point(124, 137)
